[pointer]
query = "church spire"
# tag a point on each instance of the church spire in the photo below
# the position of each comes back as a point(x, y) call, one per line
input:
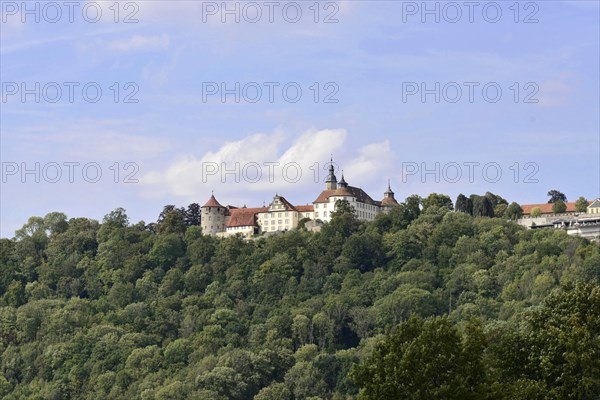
point(342, 183)
point(331, 181)
point(389, 194)
point(389, 190)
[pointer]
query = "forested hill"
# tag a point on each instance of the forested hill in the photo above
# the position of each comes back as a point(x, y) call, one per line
point(430, 304)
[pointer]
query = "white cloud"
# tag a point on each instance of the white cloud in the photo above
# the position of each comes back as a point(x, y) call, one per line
point(231, 169)
point(373, 160)
point(243, 159)
point(554, 92)
point(140, 42)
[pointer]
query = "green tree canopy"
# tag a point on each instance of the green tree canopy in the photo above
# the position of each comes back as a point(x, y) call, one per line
point(558, 207)
point(581, 204)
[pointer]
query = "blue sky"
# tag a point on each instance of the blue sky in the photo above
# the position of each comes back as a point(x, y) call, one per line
point(368, 61)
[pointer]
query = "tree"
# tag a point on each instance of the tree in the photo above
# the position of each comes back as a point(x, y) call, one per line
point(463, 204)
point(559, 207)
point(343, 220)
point(117, 218)
point(482, 206)
point(555, 196)
point(553, 349)
point(413, 206)
point(495, 199)
point(56, 222)
point(581, 204)
point(193, 215)
point(115, 311)
point(513, 211)
point(535, 212)
point(34, 227)
point(437, 200)
point(364, 250)
point(343, 207)
point(173, 222)
point(302, 223)
point(305, 381)
point(425, 359)
point(225, 381)
point(500, 210)
point(275, 391)
point(166, 209)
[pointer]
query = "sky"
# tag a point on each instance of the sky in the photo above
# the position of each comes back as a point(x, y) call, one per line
point(140, 104)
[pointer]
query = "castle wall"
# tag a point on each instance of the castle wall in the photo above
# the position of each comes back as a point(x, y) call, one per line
point(213, 220)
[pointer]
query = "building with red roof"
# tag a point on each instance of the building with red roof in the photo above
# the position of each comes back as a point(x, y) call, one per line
point(282, 215)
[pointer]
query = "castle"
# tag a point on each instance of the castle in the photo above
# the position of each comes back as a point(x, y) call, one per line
point(281, 215)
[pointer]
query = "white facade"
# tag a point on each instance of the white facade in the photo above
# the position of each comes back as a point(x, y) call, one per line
point(364, 211)
point(281, 215)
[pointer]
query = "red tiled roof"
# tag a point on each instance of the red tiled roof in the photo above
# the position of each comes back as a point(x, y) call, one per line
point(306, 208)
point(546, 208)
point(352, 191)
point(244, 216)
point(288, 206)
point(324, 196)
point(389, 201)
point(212, 202)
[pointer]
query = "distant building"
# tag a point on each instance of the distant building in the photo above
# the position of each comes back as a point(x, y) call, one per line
point(585, 224)
point(213, 216)
point(546, 208)
point(282, 215)
point(594, 207)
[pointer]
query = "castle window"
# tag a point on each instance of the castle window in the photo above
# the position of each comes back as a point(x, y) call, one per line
point(325, 214)
point(316, 214)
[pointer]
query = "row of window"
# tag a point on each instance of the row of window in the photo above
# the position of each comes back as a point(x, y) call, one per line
point(287, 222)
point(367, 206)
point(238, 228)
point(364, 214)
point(276, 215)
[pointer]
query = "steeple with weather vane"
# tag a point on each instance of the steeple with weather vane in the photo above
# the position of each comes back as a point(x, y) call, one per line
point(331, 181)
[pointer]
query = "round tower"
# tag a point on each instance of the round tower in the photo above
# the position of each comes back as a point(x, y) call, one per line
point(388, 199)
point(213, 217)
point(331, 181)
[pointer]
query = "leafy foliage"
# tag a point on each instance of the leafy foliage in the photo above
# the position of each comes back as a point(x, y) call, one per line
point(558, 207)
point(556, 195)
point(581, 204)
point(451, 305)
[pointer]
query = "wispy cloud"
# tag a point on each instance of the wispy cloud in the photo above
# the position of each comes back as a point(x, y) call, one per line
point(98, 140)
point(286, 167)
point(140, 43)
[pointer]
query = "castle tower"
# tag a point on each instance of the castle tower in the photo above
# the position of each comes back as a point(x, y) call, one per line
point(342, 183)
point(388, 199)
point(331, 181)
point(213, 217)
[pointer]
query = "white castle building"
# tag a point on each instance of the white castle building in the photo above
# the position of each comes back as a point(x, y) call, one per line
point(281, 215)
